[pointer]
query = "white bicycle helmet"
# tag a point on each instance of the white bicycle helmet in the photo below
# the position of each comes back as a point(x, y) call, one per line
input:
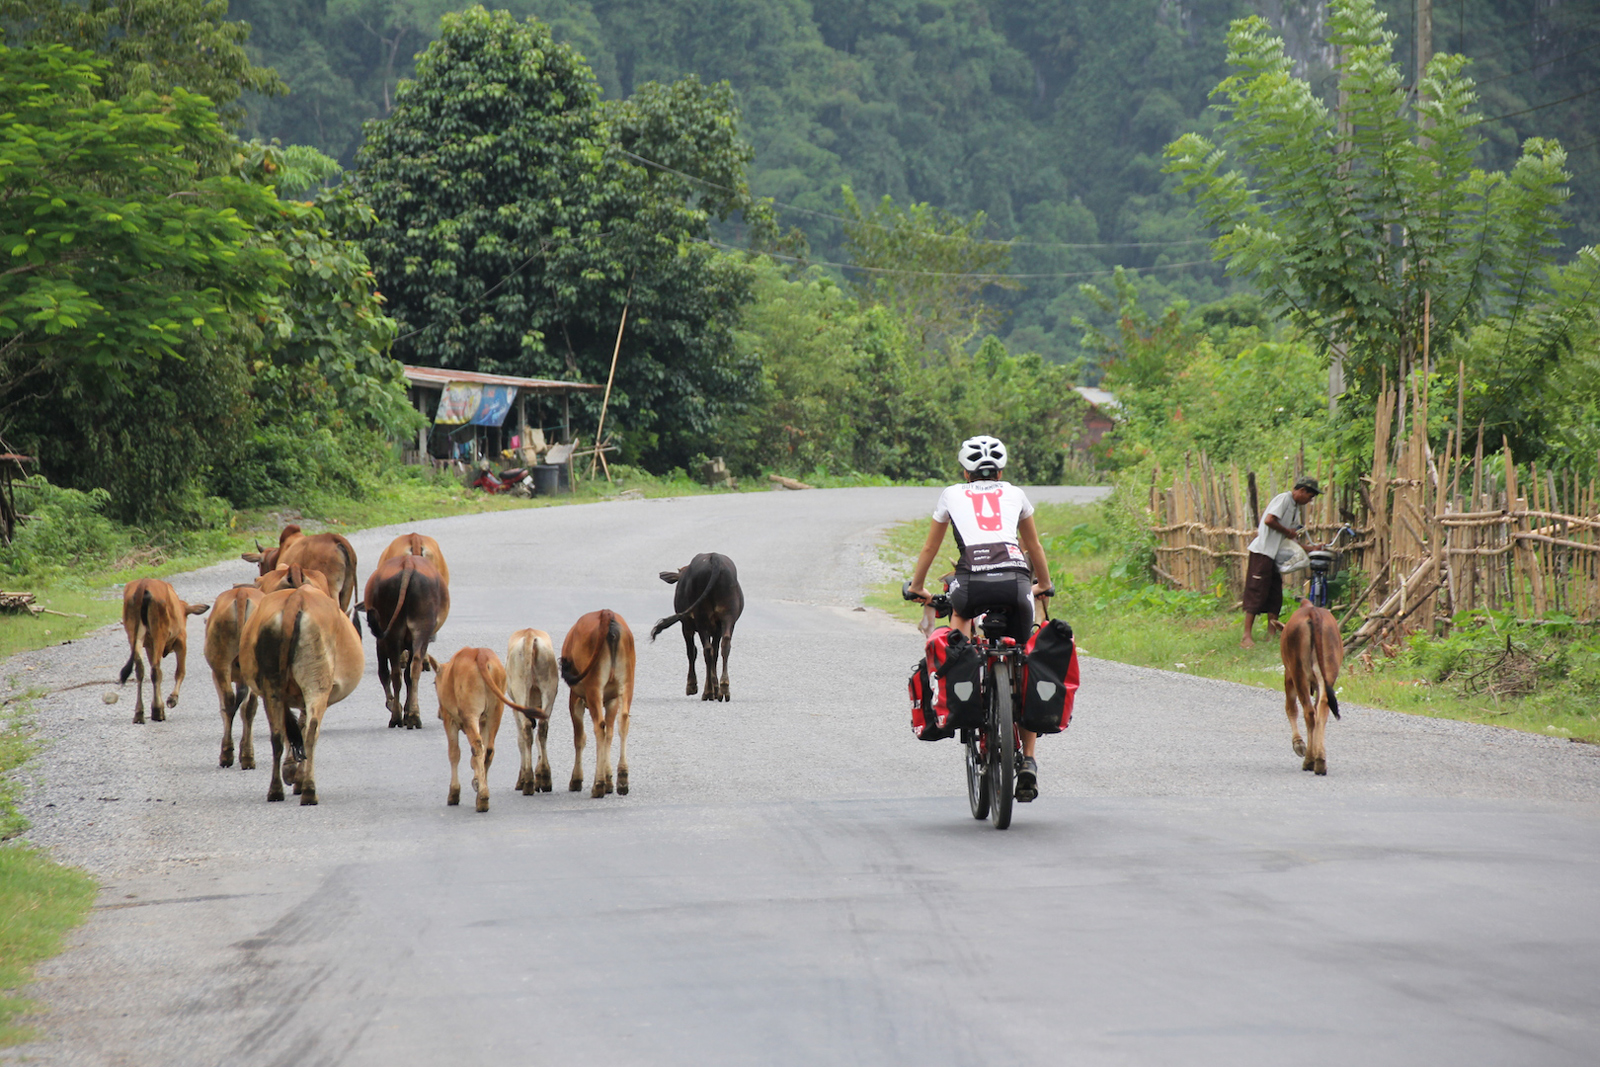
point(982, 451)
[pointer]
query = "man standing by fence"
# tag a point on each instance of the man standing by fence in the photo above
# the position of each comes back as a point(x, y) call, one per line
point(1263, 584)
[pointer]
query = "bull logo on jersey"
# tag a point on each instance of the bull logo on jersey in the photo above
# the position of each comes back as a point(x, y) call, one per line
point(986, 508)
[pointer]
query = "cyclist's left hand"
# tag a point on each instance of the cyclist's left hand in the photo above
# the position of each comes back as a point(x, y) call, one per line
point(1042, 590)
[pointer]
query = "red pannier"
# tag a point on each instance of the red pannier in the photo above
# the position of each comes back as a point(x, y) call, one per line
point(948, 681)
point(1049, 679)
point(923, 722)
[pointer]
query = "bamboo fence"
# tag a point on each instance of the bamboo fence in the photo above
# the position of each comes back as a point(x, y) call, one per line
point(1436, 531)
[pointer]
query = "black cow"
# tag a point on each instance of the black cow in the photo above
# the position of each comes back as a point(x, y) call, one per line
point(405, 599)
point(708, 601)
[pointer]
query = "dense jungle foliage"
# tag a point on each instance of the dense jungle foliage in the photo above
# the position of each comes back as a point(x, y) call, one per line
point(1050, 116)
point(210, 290)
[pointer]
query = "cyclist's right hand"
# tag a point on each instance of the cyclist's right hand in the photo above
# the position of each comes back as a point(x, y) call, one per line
point(918, 594)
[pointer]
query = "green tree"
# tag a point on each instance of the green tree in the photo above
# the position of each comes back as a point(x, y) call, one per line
point(513, 229)
point(119, 250)
point(1350, 218)
point(927, 266)
point(153, 46)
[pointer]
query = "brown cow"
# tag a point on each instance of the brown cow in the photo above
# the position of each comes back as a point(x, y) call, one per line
point(229, 613)
point(597, 664)
point(532, 677)
point(156, 620)
point(472, 688)
point(405, 600)
point(326, 552)
point(298, 650)
point(415, 544)
point(1312, 655)
point(708, 602)
point(292, 577)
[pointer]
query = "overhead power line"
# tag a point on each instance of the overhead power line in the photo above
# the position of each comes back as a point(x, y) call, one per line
point(1540, 107)
point(920, 233)
point(973, 275)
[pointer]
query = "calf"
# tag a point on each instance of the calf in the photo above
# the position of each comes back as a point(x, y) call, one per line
point(292, 577)
point(708, 601)
point(229, 613)
point(405, 600)
point(298, 650)
point(325, 552)
point(156, 622)
point(531, 679)
point(1312, 655)
point(597, 664)
point(471, 691)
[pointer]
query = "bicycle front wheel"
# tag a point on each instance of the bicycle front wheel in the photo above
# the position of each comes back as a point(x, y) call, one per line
point(1002, 747)
point(977, 777)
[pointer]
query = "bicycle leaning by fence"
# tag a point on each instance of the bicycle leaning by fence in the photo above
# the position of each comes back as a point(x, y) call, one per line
point(992, 747)
point(1324, 563)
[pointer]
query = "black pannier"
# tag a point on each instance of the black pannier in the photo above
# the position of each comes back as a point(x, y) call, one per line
point(1049, 679)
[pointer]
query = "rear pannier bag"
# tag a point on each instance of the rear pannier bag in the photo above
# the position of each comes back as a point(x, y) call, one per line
point(954, 671)
point(923, 723)
point(1049, 679)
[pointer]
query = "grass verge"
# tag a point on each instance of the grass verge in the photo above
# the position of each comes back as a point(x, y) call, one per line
point(40, 900)
point(1123, 619)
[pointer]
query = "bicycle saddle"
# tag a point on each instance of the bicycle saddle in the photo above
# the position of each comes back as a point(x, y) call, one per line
point(996, 624)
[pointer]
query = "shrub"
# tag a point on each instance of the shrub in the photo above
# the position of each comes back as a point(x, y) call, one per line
point(65, 529)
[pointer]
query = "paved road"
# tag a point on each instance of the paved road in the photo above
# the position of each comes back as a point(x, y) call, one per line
point(794, 879)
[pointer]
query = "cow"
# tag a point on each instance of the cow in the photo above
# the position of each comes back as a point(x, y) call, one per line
point(472, 689)
point(229, 612)
point(156, 621)
point(1312, 655)
point(326, 552)
point(298, 649)
point(532, 676)
point(708, 601)
point(597, 663)
point(405, 600)
point(415, 544)
point(292, 577)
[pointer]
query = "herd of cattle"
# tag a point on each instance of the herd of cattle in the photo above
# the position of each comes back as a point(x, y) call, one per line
point(292, 641)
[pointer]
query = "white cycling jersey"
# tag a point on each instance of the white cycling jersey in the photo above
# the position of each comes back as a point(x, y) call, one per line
point(985, 516)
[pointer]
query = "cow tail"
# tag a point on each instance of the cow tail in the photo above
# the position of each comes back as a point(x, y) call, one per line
point(613, 632)
point(711, 583)
point(291, 730)
point(1322, 668)
point(406, 570)
point(139, 629)
point(483, 672)
point(292, 638)
point(347, 588)
point(570, 673)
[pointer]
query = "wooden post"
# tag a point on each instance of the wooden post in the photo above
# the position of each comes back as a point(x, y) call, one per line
point(599, 433)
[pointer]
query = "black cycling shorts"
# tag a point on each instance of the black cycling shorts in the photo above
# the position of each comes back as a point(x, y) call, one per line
point(972, 595)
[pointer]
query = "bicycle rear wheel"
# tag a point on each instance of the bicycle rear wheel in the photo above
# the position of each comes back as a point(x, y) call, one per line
point(977, 777)
point(1002, 747)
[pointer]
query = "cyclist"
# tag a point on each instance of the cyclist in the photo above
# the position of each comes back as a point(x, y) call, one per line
point(997, 541)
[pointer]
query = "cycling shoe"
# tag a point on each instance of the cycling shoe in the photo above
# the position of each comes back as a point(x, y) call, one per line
point(1027, 780)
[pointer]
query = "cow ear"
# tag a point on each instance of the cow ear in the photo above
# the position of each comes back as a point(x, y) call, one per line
point(251, 557)
point(670, 577)
point(433, 664)
point(196, 609)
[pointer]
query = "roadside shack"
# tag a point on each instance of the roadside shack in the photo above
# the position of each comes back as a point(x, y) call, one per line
point(471, 415)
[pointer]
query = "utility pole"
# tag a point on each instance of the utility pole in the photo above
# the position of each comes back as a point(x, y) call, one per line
point(1424, 40)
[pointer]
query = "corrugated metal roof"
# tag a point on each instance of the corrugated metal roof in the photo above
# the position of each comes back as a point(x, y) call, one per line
point(1098, 397)
point(438, 378)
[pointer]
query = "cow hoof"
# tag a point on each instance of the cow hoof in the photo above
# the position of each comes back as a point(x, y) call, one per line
point(413, 722)
point(709, 694)
point(622, 783)
point(575, 786)
point(396, 722)
point(597, 792)
point(483, 802)
point(453, 799)
point(309, 797)
point(226, 759)
point(172, 700)
point(1308, 764)
point(528, 790)
point(692, 688)
point(157, 715)
point(138, 717)
point(1299, 747)
point(1322, 766)
point(275, 793)
point(247, 763)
